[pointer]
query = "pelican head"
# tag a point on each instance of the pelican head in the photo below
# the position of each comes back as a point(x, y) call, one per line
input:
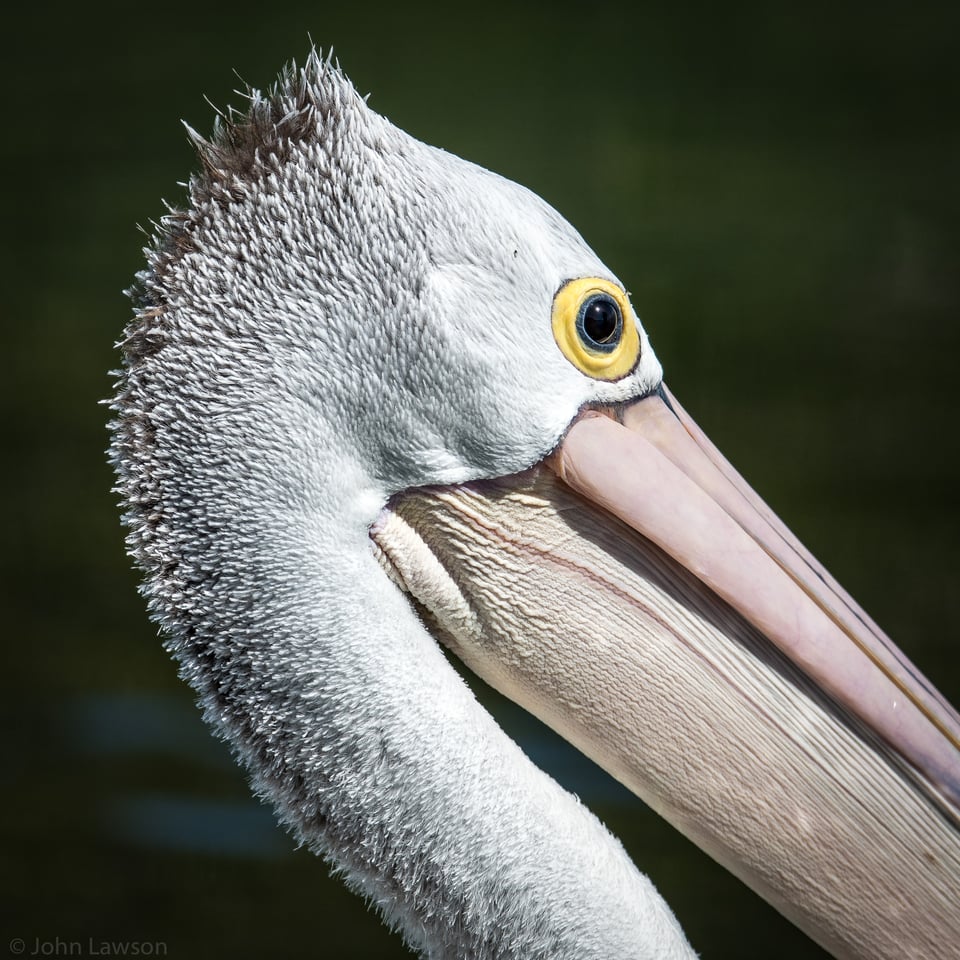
point(375, 395)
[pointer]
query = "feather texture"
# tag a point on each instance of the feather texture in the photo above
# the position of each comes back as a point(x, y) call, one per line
point(340, 313)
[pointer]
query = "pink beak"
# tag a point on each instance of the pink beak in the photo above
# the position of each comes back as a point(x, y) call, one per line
point(660, 474)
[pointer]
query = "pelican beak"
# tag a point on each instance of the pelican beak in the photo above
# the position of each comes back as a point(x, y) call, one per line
point(660, 474)
point(636, 595)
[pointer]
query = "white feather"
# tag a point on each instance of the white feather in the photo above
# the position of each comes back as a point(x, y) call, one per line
point(340, 313)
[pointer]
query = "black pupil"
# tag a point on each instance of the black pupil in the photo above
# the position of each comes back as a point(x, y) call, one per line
point(601, 320)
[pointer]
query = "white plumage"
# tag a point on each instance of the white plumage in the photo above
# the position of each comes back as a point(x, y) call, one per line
point(341, 314)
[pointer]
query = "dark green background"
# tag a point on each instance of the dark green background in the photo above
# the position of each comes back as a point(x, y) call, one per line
point(776, 184)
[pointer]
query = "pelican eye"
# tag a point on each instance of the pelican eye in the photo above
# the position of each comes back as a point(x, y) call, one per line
point(594, 326)
point(600, 324)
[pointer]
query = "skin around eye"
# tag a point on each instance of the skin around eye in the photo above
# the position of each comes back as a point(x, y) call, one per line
point(595, 329)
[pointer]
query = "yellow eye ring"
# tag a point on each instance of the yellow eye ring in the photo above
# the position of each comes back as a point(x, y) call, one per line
point(594, 326)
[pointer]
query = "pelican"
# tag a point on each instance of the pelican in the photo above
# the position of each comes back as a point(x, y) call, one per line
point(374, 396)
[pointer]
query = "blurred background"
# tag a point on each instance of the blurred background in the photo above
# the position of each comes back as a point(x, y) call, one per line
point(775, 183)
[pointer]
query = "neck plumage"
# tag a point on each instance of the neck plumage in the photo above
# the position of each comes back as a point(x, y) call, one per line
point(370, 747)
point(433, 812)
